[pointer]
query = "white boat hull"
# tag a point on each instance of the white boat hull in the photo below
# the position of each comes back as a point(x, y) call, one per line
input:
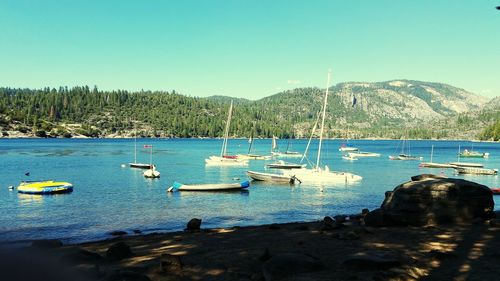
point(151, 174)
point(344, 149)
point(208, 187)
point(322, 176)
point(364, 154)
point(465, 164)
point(253, 157)
point(258, 176)
point(222, 161)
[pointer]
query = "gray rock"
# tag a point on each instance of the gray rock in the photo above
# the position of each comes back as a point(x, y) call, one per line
point(435, 201)
point(426, 176)
point(289, 264)
point(118, 251)
point(193, 225)
point(375, 218)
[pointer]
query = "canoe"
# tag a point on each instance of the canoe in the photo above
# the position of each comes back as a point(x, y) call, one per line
point(465, 164)
point(435, 165)
point(476, 171)
point(208, 187)
point(364, 154)
point(44, 187)
point(496, 191)
point(139, 165)
point(258, 176)
point(285, 165)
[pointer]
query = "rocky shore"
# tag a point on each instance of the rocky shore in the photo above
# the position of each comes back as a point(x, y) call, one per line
point(430, 228)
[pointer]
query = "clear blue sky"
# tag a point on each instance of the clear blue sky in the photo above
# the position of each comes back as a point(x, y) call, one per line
point(248, 48)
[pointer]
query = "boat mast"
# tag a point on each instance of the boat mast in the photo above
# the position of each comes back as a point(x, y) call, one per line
point(251, 143)
point(151, 156)
point(323, 120)
point(310, 138)
point(226, 131)
point(432, 152)
point(135, 144)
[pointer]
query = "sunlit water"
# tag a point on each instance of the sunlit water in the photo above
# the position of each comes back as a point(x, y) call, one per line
point(109, 197)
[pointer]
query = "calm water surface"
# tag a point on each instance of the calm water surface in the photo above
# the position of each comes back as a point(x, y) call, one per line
point(109, 197)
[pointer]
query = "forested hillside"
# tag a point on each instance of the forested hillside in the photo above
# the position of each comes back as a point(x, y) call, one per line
point(385, 109)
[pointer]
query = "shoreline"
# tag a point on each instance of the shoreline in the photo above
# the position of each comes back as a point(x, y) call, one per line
point(314, 250)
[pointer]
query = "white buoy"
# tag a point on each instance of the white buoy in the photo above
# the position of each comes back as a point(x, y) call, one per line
point(124, 166)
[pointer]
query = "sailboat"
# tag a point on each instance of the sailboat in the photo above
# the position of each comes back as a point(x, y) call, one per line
point(250, 155)
point(151, 172)
point(434, 165)
point(472, 154)
point(346, 147)
point(405, 152)
point(224, 159)
point(318, 174)
point(135, 164)
point(287, 153)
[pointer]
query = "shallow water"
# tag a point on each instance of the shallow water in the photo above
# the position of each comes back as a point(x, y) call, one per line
point(109, 197)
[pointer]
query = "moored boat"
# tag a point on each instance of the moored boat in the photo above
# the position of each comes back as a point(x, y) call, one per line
point(466, 164)
point(176, 186)
point(285, 165)
point(152, 173)
point(259, 176)
point(473, 154)
point(405, 157)
point(44, 187)
point(363, 154)
point(350, 157)
point(476, 171)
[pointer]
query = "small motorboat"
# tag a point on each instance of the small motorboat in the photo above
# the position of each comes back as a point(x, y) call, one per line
point(349, 157)
point(139, 165)
point(285, 165)
point(473, 154)
point(278, 178)
point(152, 173)
point(176, 186)
point(44, 187)
point(496, 191)
point(346, 148)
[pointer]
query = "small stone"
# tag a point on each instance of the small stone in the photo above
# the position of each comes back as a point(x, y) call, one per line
point(170, 263)
point(118, 233)
point(365, 211)
point(193, 225)
point(118, 251)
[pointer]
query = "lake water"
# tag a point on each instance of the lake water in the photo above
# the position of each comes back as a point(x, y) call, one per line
point(109, 197)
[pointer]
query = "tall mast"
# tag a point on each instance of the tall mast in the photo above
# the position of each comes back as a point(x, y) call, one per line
point(135, 143)
point(432, 152)
point(226, 131)
point(323, 120)
point(310, 138)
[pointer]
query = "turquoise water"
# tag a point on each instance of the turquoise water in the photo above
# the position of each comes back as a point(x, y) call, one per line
point(109, 197)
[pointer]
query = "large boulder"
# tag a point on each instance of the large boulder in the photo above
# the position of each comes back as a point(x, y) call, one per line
point(428, 200)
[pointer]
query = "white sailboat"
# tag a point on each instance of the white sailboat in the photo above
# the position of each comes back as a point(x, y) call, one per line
point(151, 172)
point(434, 165)
point(346, 147)
point(224, 159)
point(405, 153)
point(250, 155)
point(135, 164)
point(318, 174)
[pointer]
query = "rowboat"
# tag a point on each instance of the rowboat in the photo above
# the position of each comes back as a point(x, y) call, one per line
point(476, 171)
point(363, 154)
point(285, 165)
point(208, 187)
point(258, 176)
point(465, 164)
point(44, 187)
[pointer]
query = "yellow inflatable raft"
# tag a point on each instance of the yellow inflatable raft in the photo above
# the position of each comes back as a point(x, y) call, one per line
point(44, 187)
